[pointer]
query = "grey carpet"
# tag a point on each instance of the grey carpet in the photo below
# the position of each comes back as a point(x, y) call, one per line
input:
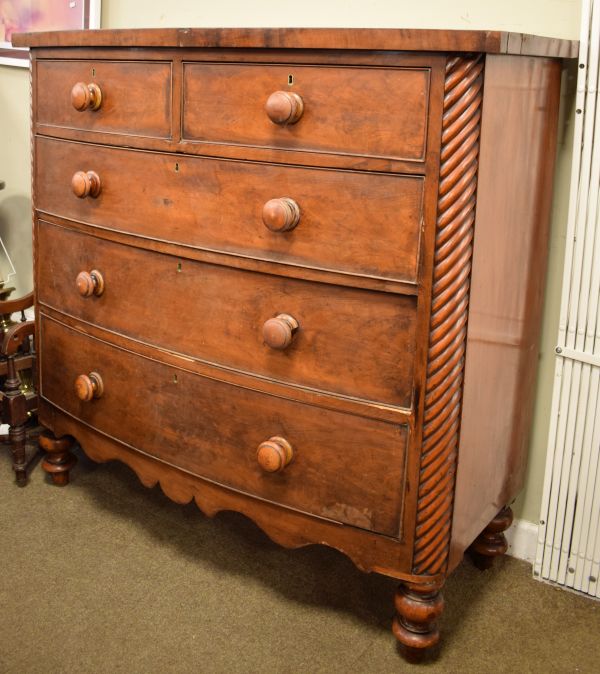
point(108, 576)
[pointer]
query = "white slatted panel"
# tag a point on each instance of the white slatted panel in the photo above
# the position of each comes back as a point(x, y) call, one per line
point(568, 550)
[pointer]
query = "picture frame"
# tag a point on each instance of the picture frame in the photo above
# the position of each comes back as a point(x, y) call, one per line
point(22, 16)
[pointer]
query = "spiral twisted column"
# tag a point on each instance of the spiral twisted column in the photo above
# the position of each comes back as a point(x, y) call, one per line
point(450, 299)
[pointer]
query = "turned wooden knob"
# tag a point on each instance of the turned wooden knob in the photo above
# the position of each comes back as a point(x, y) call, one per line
point(88, 387)
point(274, 454)
point(284, 107)
point(281, 215)
point(86, 96)
point(278, 332)
point(90, 283)
point(86, 184)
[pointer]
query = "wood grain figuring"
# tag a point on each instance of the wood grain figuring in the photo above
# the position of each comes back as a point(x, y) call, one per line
point(253, 278)
point(221, 315)
point(218, 205)
point(324, 399)
point(291, 528)
point(226, 103)
point(345, 468)
point(136, 97)
point(395, 39)
point(450, 299)
point(521, 99)
point(432, 63)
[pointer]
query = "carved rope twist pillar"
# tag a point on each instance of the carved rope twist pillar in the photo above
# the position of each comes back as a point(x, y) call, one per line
point(450, 299)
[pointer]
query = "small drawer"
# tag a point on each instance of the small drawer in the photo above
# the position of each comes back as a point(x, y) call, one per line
point(364, 111)
point(120, 97)
point(346, 341)
point(331, 464)
point(359, 223)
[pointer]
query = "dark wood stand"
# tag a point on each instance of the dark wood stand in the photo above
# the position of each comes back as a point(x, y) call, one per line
point(18, 402)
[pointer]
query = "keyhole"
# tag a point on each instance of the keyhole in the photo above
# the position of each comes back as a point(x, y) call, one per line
point(93, 72)
point(174, 378)
point(290, 80)
point(178, 267)
point(177, 167)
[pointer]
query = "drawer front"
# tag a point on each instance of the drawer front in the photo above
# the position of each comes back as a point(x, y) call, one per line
point(136, 97)
point(343, 467)
point(374, 112)
point(359, 223)
point(354, 342)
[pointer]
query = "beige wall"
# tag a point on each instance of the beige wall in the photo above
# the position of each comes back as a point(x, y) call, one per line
point(545, 17)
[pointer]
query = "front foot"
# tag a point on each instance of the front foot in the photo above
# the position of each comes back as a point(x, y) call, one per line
point(418, 607)
point(58, 460)
point(491, 542)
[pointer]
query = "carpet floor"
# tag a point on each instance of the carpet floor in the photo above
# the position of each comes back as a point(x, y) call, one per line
point(108, 576)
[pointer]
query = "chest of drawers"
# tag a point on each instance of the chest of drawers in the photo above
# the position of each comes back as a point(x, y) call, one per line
point(298, 274)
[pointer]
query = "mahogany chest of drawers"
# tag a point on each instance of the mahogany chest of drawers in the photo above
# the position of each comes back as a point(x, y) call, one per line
point(298, 274)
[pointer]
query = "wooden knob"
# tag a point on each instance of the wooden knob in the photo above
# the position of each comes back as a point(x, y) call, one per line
point(274, 454)
point(284, 107)
point(90, 283)
point(281, 215)
point(278, 332)
point(86, 96)
point(86, 184)
point(88, 387)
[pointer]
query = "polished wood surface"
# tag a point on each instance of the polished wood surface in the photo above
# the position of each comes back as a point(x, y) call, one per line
point(284, 107)
point(509, 267)
point(268, 305)
point(345, 468)
point(418, 607)
point(449, 307)
point(395, 39)
point(225, 102)
point(218, 205)
point(18, 398)
point(288, 527)
point(491, 542)
point(334, 322)
point(281, 214)
point(135, 97)
point(86, 184)
point(274, 454)
point(86, 96)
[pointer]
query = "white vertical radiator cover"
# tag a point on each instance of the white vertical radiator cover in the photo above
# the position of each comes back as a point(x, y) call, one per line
point(568, 550)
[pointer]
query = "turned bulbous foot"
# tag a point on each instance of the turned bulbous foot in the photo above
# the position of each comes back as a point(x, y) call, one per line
point(417, 609)
point(491, 543)
point(58, 460)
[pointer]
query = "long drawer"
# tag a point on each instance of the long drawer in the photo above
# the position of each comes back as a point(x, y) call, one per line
point(343, 467)
point(135, 97)
point(373, 112)
point(349, 221)
point(348, 341)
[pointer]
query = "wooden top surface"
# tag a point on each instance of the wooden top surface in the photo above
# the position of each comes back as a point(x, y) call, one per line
point(381, 39)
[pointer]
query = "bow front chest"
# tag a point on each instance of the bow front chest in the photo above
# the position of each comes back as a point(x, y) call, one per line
point(298, 274)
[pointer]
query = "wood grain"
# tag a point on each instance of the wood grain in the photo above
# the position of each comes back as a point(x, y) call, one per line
point(217, 205)
point(224, 102)
point(136, 96)
point(450, 301)
point(396, 39)
point(220, 315)
point(509, 267)
point(345, 468)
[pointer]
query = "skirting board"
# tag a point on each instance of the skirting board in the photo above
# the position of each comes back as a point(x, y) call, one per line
point(522, 540)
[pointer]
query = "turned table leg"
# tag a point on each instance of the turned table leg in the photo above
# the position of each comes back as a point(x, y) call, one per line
point(58, 460)
point(16, 436)
point(492, 541)
point(418, 607)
